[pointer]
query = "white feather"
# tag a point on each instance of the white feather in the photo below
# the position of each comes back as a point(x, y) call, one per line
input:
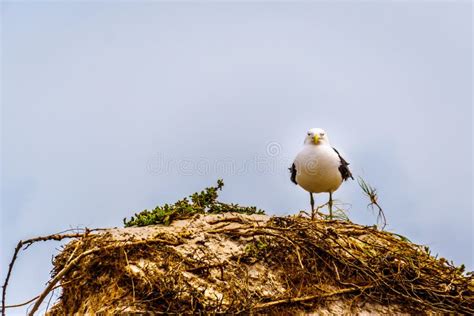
point(317, 165)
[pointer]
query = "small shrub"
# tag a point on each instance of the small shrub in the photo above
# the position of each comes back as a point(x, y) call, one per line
point(204, 202)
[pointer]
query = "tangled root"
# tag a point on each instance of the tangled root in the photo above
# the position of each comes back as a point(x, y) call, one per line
point(232, 263)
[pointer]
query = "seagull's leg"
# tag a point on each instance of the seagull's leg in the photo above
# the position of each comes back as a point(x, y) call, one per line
point(312, 205)
point(330, 205)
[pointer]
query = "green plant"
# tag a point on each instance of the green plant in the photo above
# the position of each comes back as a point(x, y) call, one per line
point(254, 247)
point(204, 202)
point(371, 193)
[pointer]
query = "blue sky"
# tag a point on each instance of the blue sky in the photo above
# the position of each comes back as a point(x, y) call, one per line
point(110, 108)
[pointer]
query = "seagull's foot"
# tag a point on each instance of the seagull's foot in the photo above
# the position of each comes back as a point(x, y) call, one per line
point(316, 215)
point(330, 206)
point(321, 214)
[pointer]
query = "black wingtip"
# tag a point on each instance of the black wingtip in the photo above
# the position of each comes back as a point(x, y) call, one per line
point(344, 168)
point(293, 173)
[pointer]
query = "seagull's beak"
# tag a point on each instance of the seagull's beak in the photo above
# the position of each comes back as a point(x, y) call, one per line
point(316, 139)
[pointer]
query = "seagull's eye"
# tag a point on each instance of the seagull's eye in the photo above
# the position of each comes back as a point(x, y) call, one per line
point(322, 134)
point(309, 134)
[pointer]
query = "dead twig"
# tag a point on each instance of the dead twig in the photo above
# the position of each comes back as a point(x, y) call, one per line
point(309, 297)
point(34, 298)
point(26, 244)
point(76, 260)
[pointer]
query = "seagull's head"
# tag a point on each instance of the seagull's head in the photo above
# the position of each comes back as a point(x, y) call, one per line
point(316, 136)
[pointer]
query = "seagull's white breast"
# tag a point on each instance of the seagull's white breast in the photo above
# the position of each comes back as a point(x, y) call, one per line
point(317, 169)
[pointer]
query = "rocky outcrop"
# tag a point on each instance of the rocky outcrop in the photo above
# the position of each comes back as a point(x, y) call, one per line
point(234, 263)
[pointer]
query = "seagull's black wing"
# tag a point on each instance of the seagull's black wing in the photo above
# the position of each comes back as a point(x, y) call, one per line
point(293, 173)
point(344, 167)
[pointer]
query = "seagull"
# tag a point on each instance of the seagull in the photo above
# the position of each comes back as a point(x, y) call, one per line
point(318, 167)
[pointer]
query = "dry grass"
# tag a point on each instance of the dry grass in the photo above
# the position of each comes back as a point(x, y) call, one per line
point(246, 263)
point(211, 257)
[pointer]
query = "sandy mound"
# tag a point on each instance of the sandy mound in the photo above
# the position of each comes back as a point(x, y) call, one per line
point(231, 263)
